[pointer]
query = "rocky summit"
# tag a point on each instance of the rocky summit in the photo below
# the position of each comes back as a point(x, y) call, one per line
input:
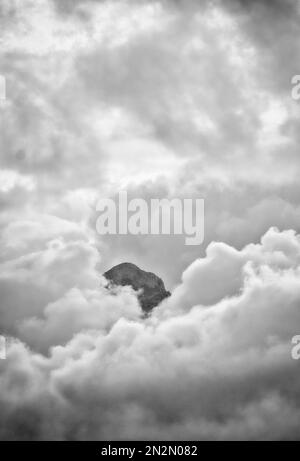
point(151, 288)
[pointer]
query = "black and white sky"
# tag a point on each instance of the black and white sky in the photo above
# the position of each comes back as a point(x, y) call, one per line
point(163, 99)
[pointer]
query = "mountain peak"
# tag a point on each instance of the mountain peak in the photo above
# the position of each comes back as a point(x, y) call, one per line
point(152, 287)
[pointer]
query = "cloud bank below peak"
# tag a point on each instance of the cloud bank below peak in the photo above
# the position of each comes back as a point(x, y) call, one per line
point(193, 370)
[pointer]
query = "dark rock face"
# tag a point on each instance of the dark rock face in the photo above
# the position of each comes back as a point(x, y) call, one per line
point(153, 288)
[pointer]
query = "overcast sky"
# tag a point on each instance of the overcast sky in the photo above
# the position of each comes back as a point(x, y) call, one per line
point(163, 99)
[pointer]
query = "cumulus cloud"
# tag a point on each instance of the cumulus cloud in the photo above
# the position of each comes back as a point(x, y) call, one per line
point(164, 99)
point(210, 370)
point(225, 268)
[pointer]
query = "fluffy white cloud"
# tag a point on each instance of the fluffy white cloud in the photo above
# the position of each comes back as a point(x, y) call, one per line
point(224, 269)
point(206, 372)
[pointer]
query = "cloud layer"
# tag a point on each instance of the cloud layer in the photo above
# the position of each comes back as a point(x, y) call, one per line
point(165, 99)
point(213, 361)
